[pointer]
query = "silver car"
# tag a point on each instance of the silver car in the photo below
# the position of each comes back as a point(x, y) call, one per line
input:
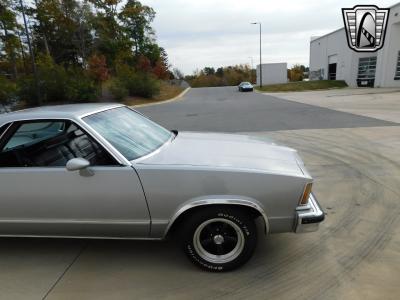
point(106, 171)
point(245, 87)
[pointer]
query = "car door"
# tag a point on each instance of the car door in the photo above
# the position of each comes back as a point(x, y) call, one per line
point(39, 197)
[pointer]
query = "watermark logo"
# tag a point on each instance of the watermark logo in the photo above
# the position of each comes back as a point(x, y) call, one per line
point(365, 27)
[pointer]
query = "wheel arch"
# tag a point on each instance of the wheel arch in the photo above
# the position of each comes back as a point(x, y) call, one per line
point(188, 208)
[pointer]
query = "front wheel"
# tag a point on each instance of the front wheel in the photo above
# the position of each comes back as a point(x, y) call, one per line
point(219, 239)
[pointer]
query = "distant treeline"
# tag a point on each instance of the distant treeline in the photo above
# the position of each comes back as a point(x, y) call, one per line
point(223, 76)
point(233, 75)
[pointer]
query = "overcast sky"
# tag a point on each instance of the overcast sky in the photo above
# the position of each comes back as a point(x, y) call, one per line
point(199, 33)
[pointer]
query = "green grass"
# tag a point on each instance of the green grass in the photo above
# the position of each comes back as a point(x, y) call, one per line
point(304, 86)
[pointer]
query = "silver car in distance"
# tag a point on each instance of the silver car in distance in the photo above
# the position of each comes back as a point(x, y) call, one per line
point(245, 87)
point(106, 171)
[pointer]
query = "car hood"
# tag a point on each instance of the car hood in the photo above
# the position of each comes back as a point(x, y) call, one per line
point(227, 151)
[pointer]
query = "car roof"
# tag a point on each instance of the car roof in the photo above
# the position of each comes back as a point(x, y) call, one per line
point(69, 111)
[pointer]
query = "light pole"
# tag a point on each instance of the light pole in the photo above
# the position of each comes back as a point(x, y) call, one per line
point(251, 70)
point(259, 23)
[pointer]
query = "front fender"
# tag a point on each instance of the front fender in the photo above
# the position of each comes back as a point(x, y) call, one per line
point(218, 200)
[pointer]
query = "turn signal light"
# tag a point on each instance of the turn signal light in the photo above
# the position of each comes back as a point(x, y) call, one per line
point(306, 194)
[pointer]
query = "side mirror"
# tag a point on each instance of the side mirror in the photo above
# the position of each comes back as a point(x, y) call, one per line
point(81, 165)
point(77, 164)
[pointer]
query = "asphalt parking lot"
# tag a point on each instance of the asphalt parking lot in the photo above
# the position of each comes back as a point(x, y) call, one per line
point(223, 109)
point(354, 158)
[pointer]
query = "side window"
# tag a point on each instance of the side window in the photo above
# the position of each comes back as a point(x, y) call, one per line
point(32, 133)
point(50, 144)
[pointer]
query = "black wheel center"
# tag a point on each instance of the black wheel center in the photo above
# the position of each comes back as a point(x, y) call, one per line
point(218, 238)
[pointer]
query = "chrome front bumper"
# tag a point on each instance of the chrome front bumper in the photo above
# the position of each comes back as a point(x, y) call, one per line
point(308, 217)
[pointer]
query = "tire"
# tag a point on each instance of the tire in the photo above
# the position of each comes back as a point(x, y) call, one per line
point(219, 239)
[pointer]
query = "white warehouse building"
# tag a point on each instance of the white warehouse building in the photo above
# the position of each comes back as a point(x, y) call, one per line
point(331, 58)
point(272, 73)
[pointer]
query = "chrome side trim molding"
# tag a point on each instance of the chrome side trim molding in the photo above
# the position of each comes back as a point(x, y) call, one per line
point(218, 201)
point(82, 237)
point(71, 221)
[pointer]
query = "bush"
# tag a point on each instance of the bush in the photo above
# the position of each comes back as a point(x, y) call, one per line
point(144, 85)
point(206, 80)
point(7, 90)
point(296, 73)
point(52, 83)
point(81, 88)
point(134, 83)
point(118, 90)
point(57, 85)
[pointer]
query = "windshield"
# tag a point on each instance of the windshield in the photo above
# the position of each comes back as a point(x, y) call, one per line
point(132, 134)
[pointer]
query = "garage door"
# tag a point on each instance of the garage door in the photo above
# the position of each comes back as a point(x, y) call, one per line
point(366, 71)
point(332, 68)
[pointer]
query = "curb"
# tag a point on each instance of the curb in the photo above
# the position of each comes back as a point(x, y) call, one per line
point(183, 93)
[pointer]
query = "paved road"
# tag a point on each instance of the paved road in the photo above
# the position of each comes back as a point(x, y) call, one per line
point(354, 255)
point(224, 109)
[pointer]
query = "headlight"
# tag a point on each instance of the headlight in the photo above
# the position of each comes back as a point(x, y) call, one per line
point(306, 194)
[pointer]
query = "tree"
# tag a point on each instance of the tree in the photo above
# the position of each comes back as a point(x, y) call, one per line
point(152, 51)
point(84, 38)
point(65, 28)
point(160, 70)
point(164, 58)
point(97, 68)
point(45, 43)
point(220, 72)
point(178, 74)
point(108, 7)
point(231, 75)
point(7, 90)
point(109, 38)
point(79, 44)
point(8, 35)
point(144, 64)
point(296, 73)
point(209, 71)
point(136, 19)
point(161, 66)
